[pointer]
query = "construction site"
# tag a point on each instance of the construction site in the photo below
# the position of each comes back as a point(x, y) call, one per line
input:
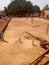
point(24, 32)
point(24, 41)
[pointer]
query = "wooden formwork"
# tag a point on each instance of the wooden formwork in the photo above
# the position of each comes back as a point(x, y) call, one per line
point(38, 60)
point(44, 44)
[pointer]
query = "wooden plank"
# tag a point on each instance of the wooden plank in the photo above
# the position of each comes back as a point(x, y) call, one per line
point(35, 62)
point(40, 39)
point(44, 43)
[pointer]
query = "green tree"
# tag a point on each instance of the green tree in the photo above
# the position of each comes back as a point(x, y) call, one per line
point(36, 9)
point(21, 8)
point(46, 7)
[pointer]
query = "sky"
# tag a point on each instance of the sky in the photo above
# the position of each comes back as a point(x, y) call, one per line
point(40, 3)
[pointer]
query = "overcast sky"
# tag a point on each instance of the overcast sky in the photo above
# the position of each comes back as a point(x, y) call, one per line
point(40, 3)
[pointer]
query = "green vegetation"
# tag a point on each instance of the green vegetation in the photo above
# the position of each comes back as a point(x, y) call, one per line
point(46, 7)
point(21, 8)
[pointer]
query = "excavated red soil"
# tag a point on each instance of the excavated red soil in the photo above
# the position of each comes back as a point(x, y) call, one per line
point(20, 49)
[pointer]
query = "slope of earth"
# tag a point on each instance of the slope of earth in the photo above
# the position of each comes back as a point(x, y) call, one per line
point(18, 50)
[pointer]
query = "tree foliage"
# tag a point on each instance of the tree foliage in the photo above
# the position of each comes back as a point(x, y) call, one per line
point(37, 9)
point(46, 7)
point(21, 8)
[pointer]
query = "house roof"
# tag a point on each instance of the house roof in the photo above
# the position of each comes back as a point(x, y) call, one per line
point(2, 13)
point(46, 12)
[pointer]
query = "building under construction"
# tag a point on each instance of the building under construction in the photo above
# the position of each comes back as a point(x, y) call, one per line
point(46, 13)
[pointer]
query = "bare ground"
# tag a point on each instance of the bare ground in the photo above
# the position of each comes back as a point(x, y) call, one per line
point(18, 50)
